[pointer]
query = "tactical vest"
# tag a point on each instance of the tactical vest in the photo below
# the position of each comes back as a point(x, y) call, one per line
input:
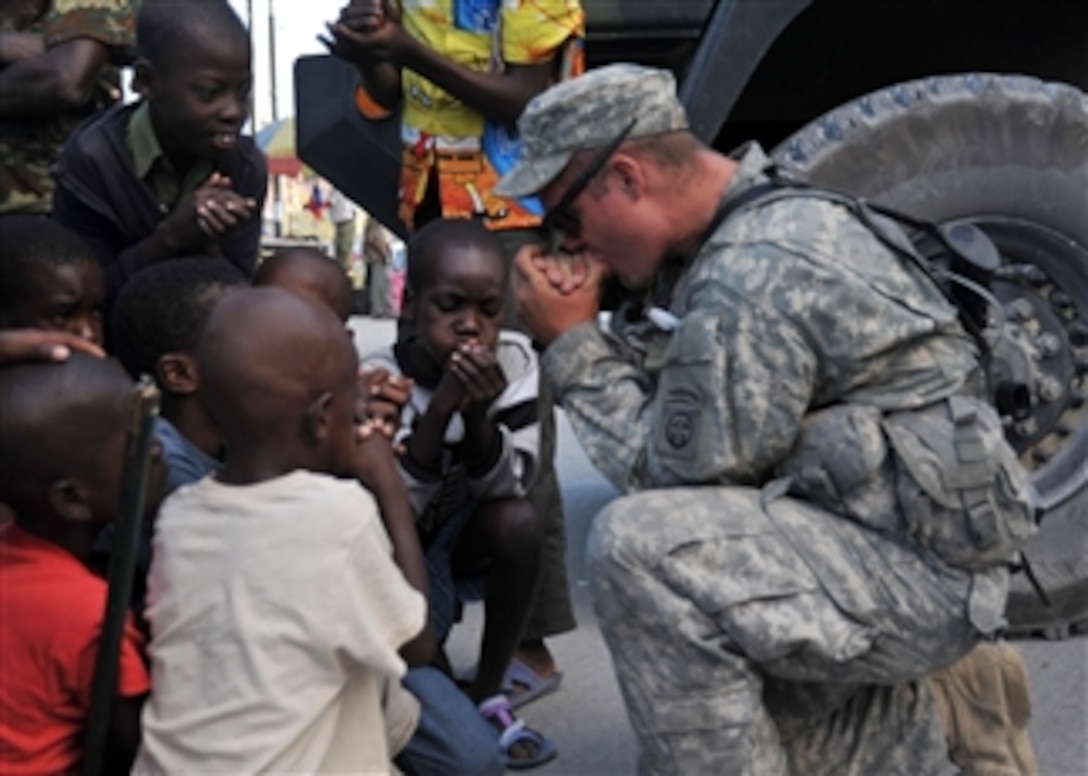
point(942, 475)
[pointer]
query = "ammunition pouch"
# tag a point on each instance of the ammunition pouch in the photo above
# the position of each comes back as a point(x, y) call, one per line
point(942, 475)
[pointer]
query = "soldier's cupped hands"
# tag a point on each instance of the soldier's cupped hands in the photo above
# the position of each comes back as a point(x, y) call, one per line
point(556, 293)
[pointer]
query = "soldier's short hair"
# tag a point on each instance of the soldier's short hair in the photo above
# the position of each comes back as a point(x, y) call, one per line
point(165, 28)
point(164, 309)
point(27, 242)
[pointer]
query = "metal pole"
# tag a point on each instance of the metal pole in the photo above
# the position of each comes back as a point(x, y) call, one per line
point(252, 120)
point(277, 195)
point(272, 58)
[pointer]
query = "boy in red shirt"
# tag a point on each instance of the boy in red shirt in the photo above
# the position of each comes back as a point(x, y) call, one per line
point(62, 437)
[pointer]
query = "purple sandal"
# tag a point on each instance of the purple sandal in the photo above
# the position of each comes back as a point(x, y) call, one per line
point(512, 730)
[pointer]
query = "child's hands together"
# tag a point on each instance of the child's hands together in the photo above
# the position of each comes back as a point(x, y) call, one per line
point(208, 213)
point(367, 31)
point(381, 399)
point(477, 369)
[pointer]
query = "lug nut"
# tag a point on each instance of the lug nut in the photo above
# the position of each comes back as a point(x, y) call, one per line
point(1039, 455)
point(1050, 388)
point(1025, 427)
point(1048, 344)
point(1061, 300)
point(1078, 334)
point(1033, 274)
point(1020, 310)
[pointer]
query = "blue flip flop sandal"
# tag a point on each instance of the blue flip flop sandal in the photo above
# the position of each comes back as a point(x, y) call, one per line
point(520, 683)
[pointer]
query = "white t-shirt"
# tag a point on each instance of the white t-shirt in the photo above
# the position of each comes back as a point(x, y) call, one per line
point(276, 613)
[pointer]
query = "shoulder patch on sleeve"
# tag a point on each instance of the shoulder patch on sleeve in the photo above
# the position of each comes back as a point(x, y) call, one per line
point(678, 429)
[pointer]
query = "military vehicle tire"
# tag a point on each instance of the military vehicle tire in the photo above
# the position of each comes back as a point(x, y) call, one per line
point(1009, 154)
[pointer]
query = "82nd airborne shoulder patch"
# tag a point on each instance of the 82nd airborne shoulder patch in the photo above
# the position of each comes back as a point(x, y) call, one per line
point(678, 430)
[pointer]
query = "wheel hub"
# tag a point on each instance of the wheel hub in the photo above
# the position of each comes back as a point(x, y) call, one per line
point(1042, 344)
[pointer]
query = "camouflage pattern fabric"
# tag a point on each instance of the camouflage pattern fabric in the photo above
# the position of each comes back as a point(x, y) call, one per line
point(711, 597)
point(604, 101)
point(29, 146)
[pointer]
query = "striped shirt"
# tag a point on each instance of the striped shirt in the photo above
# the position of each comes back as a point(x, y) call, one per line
point(510, 468)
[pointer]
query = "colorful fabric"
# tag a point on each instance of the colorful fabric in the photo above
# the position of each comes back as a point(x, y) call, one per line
point(443, 134)
point(29, 145)
point(52, 614)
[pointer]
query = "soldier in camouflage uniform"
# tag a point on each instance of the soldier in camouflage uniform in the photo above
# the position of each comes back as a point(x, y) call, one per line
point(53, 55)
point(820, 512)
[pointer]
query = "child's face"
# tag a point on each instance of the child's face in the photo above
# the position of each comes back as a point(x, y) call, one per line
point(462, 302)
point(201, 100)
point(63, 297)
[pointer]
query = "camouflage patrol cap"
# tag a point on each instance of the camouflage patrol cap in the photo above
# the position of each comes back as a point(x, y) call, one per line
point(585, 113)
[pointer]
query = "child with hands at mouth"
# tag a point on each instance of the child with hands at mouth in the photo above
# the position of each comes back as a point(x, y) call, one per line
point(450, 739)
point(470, 434)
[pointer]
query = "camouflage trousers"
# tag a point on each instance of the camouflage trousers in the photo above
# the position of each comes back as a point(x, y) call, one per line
point(765, 636)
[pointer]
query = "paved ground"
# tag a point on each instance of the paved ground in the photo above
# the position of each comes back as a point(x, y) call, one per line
point(586, 718)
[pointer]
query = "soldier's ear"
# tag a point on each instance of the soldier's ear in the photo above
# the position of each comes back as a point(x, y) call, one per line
point(143, 77)
point(630, 175)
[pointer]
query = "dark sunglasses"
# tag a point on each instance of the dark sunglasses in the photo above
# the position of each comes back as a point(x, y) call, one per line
point(560, 222)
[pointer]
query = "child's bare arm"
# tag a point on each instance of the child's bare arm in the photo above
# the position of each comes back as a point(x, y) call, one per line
point(377, 471)
point(34, 345)
point(350, 39)
point(17, 46)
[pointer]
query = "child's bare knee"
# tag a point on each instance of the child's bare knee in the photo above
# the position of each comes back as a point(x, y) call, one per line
point(516, 527)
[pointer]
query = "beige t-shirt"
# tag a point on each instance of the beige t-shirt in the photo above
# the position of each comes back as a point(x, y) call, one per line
point(276, 613)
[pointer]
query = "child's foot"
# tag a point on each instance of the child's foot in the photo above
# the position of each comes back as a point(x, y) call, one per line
point(521, 746)
point(532, 673)
point(536, 656)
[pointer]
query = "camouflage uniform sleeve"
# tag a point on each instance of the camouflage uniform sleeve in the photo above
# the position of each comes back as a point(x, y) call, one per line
point(111, 22)
point(726, 405)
